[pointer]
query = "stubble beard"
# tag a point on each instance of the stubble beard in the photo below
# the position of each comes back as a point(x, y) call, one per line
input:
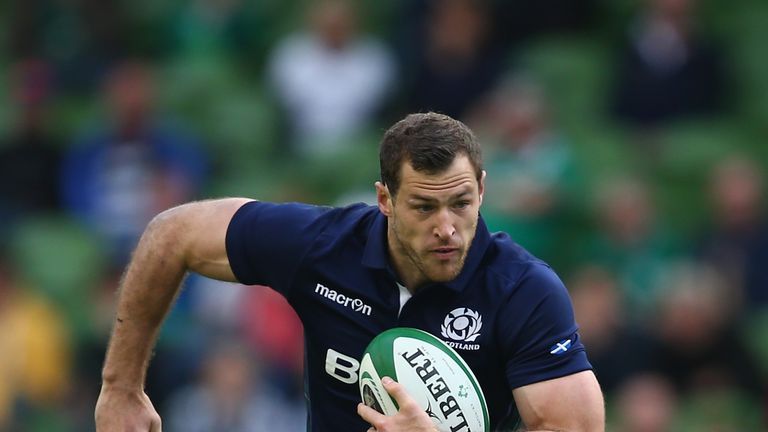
point(422, 266)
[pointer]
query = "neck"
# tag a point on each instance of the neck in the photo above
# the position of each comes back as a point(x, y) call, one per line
point(406, 271)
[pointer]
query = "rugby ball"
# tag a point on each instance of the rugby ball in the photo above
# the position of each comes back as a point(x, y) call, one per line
point(432, 373)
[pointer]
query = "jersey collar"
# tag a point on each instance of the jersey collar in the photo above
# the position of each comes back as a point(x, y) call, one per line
point(376, 254)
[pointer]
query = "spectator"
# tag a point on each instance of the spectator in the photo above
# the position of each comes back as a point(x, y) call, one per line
point(736, 242)
point(646, 403)
point(699, 347)
point(533, 174)
point(230, 397)
point(631, 243)
point(449, 58)
point(618, 349)
point(262, 319)
point(35, 371)
point(519, 22)
point(666, 70)
point(330, 80)
point(122, 174)
point(29, 158)
point(272, 327)
point(81, 40)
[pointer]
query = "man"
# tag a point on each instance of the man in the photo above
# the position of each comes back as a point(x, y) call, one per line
point(422, 258)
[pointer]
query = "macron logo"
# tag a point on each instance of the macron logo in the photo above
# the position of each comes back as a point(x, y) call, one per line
point(355, 304)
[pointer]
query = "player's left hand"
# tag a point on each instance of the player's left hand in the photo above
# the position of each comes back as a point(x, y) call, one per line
point(410, 418)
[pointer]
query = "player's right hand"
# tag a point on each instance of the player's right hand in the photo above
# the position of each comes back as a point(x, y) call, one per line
point(409, 418)
point(120, 410)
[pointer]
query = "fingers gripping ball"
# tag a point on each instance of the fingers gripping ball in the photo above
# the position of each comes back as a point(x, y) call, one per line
point(432, 373)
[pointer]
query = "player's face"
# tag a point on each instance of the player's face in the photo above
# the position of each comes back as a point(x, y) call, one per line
point(432, 221)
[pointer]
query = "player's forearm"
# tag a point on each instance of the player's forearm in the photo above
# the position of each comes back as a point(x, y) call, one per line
point(146, 294)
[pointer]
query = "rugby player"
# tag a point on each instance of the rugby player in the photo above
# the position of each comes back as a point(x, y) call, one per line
point(422, 257)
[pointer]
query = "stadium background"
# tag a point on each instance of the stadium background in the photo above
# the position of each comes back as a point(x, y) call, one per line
point(625, 143)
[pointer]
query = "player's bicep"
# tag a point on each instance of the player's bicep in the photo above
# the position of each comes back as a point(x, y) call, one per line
point(540, 335)
point(206, 224)
point(570, 403)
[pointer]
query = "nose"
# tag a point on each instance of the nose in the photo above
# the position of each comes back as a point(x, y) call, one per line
point(444, 227)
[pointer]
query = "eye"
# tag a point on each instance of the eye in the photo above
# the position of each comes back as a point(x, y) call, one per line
point(425, 208)
point(461, 204)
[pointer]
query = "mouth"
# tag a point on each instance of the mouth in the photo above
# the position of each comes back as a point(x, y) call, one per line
point(445, 253)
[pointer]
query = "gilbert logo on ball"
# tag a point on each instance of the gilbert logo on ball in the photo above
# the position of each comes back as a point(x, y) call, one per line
point(432, 373)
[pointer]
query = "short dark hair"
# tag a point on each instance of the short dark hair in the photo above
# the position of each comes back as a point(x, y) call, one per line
point(429, 142)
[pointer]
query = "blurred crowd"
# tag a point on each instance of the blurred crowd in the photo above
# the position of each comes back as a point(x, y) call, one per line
point(625, 143)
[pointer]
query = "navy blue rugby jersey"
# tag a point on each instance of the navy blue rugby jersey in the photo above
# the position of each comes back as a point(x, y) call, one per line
point(507, 313)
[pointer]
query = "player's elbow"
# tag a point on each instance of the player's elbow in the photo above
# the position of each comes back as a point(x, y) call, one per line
point(195, 233)
point(168, 231)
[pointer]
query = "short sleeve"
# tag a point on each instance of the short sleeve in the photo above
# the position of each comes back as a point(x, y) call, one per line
point(539, 332)
point(266, 241)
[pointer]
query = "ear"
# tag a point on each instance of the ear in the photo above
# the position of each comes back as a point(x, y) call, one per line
point(384, 199)
point(481, 185)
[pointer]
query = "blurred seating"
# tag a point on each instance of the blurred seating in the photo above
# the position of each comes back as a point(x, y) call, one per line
point(37, 343)
point(62, 261)
point(573, 71)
